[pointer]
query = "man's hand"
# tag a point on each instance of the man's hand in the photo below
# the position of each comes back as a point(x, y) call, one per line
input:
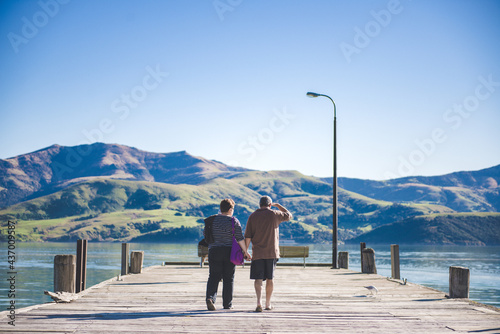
point(279, 206)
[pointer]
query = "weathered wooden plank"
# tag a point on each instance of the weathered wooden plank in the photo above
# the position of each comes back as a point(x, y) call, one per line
point(311, 300)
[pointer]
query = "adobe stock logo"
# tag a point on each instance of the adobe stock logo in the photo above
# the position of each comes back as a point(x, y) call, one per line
point(223, 6)
point(372, 29)
point(454, 116)
point(259, 141)
point(31, 27)
point(121, 108)
point(126, 102)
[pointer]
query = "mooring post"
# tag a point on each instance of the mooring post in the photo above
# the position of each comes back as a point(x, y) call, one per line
point(459, 282)
point(136, 259)
point(81, 265)
point(64, 273)
point(344, 260)
point(368, 256)
point(395, 268)
point(125, 258)
point(362, 245)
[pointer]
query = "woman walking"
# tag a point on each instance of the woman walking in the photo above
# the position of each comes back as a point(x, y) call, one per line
point(219, 234)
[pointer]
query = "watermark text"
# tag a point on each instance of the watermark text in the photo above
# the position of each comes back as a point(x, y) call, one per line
point(31, 26)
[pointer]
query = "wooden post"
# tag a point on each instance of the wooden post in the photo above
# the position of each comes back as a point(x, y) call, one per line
point(125, 258)
point(344, 260)
point(362, 245)
point(395, 269)
point(64, 273)
point(368, 256)
point(136, 259)
point(459, 282)
point(81, 265)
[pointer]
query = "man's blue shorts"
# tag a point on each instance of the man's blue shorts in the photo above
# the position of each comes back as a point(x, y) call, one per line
point(263, 269)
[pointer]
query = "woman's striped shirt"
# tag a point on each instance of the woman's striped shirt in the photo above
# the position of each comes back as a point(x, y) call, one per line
point(222, 231)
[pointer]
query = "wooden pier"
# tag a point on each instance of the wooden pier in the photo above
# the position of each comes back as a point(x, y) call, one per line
point(307, 300)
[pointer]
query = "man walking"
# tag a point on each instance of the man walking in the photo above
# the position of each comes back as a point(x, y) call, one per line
point(263, 231)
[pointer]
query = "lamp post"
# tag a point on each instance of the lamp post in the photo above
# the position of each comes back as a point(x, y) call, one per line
point(335, 210)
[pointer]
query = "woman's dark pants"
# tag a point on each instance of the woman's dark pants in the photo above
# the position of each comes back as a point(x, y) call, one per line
point(220, 267)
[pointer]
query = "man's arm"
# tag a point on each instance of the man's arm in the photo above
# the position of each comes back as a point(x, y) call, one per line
point(283, 209)
point(247, 244)
point(244, 248)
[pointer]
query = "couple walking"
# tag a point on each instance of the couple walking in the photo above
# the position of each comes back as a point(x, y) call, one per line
point(262, 231)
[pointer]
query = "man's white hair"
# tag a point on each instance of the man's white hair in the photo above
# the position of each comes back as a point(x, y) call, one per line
point(265, 201)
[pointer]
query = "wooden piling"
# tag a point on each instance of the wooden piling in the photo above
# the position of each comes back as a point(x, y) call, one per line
point(395, 268)
point(125, 258)
point(344, 260)
point(368, 260)
point(136, 259)
point(64, 273)
point(362, 245)
point(459, 282)
point(81, 265)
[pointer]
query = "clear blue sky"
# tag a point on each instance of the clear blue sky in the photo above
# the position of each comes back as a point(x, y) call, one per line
point(416, 83)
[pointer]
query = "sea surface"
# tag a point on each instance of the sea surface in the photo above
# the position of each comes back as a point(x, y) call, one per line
point(33, 269)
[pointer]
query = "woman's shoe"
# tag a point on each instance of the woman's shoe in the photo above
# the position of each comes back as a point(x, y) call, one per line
point(210, 305)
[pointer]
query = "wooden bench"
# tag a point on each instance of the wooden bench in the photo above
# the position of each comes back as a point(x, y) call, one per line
point(295, 251)
point(202, 254)
point(285, 251)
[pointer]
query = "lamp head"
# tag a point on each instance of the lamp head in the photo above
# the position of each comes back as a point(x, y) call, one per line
point(311, 94)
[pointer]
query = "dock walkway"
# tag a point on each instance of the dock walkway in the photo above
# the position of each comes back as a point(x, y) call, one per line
point(307, 300)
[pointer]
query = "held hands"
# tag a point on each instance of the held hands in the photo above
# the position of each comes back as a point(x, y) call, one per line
point(247, 256)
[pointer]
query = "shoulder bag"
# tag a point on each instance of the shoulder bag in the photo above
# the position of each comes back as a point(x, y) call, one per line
point(237, 256)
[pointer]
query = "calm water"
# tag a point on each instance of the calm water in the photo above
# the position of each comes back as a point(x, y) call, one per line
point(425, 265)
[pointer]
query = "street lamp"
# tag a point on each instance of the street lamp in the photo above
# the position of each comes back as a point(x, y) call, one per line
point(335, 211)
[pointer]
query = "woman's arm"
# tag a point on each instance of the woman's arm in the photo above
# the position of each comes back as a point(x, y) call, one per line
point(244, 248)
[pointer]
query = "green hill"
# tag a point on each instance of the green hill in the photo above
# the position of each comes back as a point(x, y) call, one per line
point(119, 210)
point(54, 168)
point(118, 193)
point(112, 210)
point(476, 191)
point(475, 229)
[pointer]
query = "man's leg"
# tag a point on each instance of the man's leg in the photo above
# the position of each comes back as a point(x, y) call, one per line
point(258, 291)
point(257, 273)
point(269, 292)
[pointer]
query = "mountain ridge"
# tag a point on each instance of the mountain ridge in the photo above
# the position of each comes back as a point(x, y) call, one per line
point(79, 191)
point(458, 229)
point(57, 166)
point(48, 170)
point(449, 189)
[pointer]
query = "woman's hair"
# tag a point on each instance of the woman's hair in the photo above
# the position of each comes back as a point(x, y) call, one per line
point(226, 204)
